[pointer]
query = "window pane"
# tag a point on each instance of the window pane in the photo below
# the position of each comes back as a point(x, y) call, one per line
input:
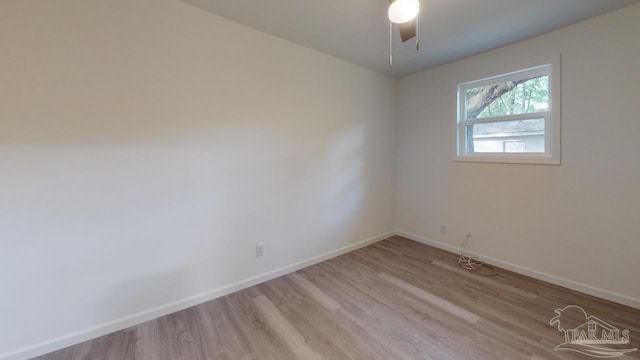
point(515, 136)
point(523, 96)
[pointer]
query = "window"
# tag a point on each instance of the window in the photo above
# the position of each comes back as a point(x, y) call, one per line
point(511, 118)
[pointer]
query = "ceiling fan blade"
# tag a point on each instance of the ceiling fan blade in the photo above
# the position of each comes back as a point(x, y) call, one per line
point(408, 30)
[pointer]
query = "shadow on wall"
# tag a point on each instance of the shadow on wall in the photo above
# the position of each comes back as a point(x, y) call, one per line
point(127, 226)
point(334, 189)
point(297, 198)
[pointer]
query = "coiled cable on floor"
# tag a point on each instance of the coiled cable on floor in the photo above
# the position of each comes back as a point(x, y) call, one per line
point(472, 263)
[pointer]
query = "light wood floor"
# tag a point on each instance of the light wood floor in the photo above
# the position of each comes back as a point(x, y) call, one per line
point(396, 299)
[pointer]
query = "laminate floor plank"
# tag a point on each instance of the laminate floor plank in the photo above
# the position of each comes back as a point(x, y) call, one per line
point(317, 294)
point(329, 328)
point(314, 335)
point(485, 280)
point(395, 299)
point(371, 312)
point(377, 345)
point(436, 301)
point(284, 329)
point(263, 341)
point(383, 301)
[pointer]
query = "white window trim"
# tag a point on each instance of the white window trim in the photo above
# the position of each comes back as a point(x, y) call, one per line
point(551, 156)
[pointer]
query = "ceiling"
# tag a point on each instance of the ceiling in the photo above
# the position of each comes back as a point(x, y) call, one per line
point(358, 30)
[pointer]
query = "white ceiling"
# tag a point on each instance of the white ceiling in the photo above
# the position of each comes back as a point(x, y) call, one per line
point(358, 30)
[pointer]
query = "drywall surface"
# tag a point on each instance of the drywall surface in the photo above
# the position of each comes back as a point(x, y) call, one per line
point(146, 147)
point(577, 221)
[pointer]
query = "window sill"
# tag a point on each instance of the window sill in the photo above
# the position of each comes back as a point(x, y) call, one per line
point(502, 159)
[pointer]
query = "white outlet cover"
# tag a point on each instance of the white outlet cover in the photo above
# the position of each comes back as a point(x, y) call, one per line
point(260, 249)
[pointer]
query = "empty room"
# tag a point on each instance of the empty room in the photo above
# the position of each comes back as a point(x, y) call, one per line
point(287, 179)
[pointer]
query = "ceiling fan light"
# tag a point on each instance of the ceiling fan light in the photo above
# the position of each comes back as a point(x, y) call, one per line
point(402, 11)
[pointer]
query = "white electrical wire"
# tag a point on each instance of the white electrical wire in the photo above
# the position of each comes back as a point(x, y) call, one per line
point(472, 263)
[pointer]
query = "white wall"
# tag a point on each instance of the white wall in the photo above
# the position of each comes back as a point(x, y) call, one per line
point(575, 224)
point(146, 146)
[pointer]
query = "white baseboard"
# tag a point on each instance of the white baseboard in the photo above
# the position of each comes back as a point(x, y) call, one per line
point(573, 285)
point(61, 342)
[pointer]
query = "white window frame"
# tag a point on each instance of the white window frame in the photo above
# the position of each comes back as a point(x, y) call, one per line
point(551, 156)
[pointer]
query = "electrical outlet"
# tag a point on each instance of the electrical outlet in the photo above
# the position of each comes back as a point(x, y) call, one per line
point(443, 228)
point(259, 249)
